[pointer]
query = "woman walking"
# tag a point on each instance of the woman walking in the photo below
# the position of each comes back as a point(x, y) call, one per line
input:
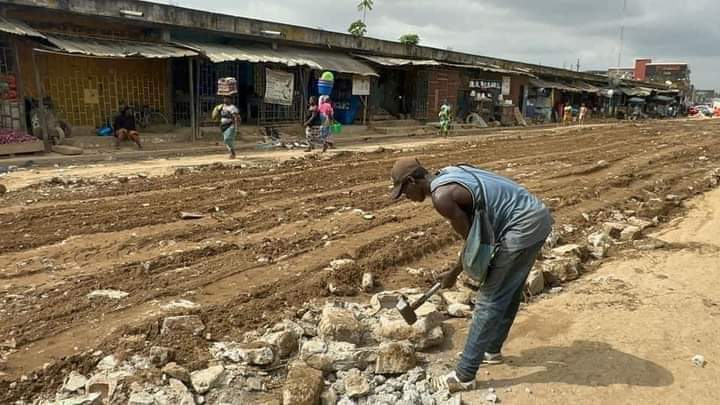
point(229, 122)
point(312, 123)
point(327, 115)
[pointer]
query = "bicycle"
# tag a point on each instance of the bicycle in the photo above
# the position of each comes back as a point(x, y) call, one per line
point(148, 118)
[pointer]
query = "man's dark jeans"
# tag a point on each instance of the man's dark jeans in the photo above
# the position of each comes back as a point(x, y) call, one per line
point(497, 304)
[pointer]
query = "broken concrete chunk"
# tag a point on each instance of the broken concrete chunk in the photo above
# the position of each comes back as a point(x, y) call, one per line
point(105, 383)
point(303, 385)
point(204, 380)
point(631, 233)
point(286, 342)
point(183, 324)
point(456, 297)
point(159, 355)
point(356, 385)
point(698, 361)
point(535, 283)
point(107, 363)
point(385, 300)
point(459, 310)
point(176, 371)
point(141, 398)
point(339, 324)
point(395, 358)
point(557, 271)
point(599, 244)
point(178, 394)
point(335, 356)
point(340, 264)
point(89, 399)
point(613, 229)
point(74, 382)
point(570, 250)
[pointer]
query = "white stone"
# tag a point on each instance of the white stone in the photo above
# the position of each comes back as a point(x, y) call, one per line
point(340, 264)
point(535, 283)
point(141, 398)
point(107, 363)
point(569, 250)
point(599, 244)
point(698, 361)
point(92, 398)
point(459, 310)
point(111, 294)
point(178, 393)
point(204, 380)
point(368, 282)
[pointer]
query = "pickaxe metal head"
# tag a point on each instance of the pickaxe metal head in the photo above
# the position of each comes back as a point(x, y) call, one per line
point(406, 310)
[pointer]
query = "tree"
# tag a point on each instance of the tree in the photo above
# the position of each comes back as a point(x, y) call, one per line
point(365, 6)
point(358, 28)
point(410, 39)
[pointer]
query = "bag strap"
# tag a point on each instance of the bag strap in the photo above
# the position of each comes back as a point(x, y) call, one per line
point(462, 167)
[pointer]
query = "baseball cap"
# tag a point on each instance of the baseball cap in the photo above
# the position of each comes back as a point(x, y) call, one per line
point(402, 169)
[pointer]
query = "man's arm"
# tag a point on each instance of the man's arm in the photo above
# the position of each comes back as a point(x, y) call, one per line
point(448, 201)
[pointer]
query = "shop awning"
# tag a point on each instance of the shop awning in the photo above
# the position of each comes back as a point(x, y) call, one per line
point(546, 84)
point(636, 91)
point(400, 62)
point(663, 99)
point(19, 28)
point(116, 48)
point(586, 87)
point(315, 59)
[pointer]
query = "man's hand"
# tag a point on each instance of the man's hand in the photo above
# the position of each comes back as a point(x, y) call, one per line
point(449, 277)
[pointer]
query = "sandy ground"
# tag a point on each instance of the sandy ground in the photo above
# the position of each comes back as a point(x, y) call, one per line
point(273, 222)
point(624, 334)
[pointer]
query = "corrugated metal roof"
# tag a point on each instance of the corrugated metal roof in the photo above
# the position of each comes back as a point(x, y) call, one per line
point(254, 53)
point(18, 28)
point(546, 84)
point(398, 62)
point(636, 91)
point(586, 87)
point(116, 48)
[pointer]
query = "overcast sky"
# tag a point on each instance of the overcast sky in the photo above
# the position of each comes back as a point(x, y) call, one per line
point(556, 32)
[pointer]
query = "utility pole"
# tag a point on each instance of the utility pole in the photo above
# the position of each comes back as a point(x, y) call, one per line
point(578, 65)
point(622, 36)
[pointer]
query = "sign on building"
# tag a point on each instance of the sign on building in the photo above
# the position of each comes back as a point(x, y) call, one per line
point(361, 86)
point(506, 86)
point(279, 87)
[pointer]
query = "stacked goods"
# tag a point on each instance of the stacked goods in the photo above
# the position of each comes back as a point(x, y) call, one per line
point(8, 87)
point(13, 136)
point(326, 83)
point(227, 86)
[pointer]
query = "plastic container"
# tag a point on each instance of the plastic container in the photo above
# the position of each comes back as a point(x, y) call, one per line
point(336, 128)
point(227, 86)
point(328, 76)
point(325, 87)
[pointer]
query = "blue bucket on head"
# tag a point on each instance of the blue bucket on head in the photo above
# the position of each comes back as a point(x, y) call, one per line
point(325, 87)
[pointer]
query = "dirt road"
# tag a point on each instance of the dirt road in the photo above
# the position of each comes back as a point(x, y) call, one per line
point(270, 229)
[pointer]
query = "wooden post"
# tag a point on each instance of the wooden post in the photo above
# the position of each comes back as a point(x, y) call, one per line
point(41, 105)
point(365, 109)
point(193, 118)
point(20, 87)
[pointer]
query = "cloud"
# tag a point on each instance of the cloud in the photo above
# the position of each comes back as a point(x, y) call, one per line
point(553, 33)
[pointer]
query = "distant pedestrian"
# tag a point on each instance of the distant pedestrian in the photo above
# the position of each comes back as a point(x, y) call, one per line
point(229, 123)
point(312, 123)
point(568, 115)
point(444, 116)
point(327, 116)
point(125, 128)
point(583, 114)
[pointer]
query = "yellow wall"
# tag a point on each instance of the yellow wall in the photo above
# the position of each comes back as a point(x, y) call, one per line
point(69, 80)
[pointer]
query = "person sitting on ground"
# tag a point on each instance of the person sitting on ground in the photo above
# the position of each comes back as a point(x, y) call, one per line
point(125, 128)
point(520, 222)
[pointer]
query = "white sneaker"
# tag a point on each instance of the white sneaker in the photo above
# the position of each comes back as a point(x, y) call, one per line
point(493, 358)
point(451, 383)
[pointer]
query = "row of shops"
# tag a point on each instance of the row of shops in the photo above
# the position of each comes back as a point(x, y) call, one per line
point(86, 69)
